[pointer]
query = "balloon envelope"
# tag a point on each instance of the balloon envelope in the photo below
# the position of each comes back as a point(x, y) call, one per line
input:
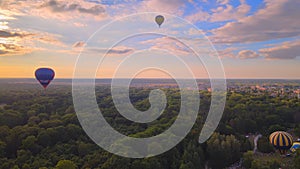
point(159, 20)
point(295, 146)
point(281, 140)
point(44, 76)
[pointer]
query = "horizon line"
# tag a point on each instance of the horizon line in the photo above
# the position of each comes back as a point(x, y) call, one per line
point(160, 78)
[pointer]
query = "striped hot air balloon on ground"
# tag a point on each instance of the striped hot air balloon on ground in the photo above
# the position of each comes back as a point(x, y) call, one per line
point(281, 140)
point(295, 147)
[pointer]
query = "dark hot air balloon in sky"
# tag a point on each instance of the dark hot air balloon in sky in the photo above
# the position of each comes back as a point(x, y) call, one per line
point(44, 76)
point(159, 20)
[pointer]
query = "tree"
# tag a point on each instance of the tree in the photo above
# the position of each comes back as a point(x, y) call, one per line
point(265, 164)
point(30, 120)
point(15, 167)
point(248, 157)
point(193, 157)
point(23, 156)
point(65, 164)
point(11, 118)
point(29, 142)
point(297, 159)
point(26, 166)
point(188, 165)
point(222, 150)
point(44, 138)
point(116, 162)
point(84, 148)
point(2, 148)
point(264, 146)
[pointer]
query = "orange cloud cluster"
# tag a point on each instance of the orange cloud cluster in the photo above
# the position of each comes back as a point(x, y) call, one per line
point(9, 43)
point(20, 43)
point(12, 49)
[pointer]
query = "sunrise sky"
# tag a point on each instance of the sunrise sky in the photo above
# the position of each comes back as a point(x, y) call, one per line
point(254, 38)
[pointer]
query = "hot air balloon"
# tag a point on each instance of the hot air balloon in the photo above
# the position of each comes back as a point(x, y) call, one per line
point(159, 20)
point(44, 76)
point(281, 140)
point(295, 147)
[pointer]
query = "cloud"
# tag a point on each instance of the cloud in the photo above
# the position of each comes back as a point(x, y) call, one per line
point(57, 6)
point(28, 38)
point(8, 34)
point(120, 51)
point(117, 51)
point(12, 49)
point(228, 12)
point(224, 12)
point(279, 19)
point(6, 14)
point(247, 54)
point(79, 44)
point(195, 32)
point(49, 39)
point(227, 53)
point(198, 16)
point(3, 25)
point(10, 42)
point(286, 50)
point(57, 9)
point(78, 24)
point(166, 6)
point(233, 52)
point(17, 43)
point(169, 44)
point(223, 2)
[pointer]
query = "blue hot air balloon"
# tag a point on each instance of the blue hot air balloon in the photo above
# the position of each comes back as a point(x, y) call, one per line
point(44, 76)
point(295, 147)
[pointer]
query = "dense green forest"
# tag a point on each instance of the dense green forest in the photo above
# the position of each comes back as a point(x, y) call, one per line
point(39, 129)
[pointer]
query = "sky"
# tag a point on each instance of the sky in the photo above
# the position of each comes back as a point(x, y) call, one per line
point(252, 38)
